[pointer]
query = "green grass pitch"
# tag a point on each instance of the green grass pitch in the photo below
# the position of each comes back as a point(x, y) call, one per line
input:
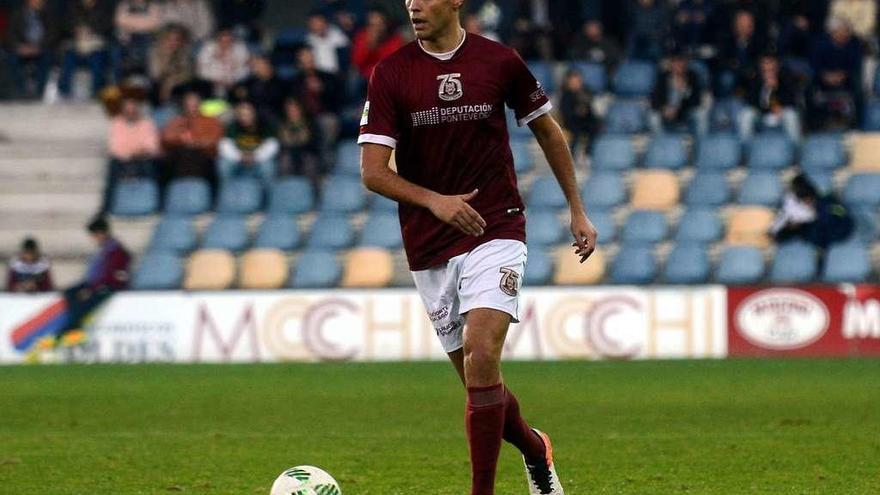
point(698, 427)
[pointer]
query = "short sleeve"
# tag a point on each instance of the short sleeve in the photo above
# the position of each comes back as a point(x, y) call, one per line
point(379, 119)
point(526, 95)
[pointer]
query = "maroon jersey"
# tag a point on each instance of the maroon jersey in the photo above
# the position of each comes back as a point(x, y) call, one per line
point(446, 120)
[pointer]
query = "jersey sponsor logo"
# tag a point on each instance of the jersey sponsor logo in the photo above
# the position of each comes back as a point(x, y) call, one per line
point(538, 94)
point(365, 116)
point(452, 115)
point(450, 87)
point(509, 281)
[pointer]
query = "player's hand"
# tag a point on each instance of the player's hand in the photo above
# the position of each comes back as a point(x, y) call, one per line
point(585, 235)
point(456, 211)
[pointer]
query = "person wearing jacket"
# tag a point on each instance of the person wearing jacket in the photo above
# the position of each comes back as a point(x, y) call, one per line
point(31, 39)
point(30, 270)
point(249, 148)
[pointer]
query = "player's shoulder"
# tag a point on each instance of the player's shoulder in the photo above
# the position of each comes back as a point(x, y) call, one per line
point(400, 59)
point(486, 44)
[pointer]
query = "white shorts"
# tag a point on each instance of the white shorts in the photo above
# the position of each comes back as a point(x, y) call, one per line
point(489, 276)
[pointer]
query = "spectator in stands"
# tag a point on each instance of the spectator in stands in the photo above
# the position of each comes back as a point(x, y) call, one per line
point(194, 15)
point(837, 66)
point(190, 142)
point(592, 45)
point(107, 273)
point(223, 61)
point(321, 95)
point(808, 215)
point(249, 148)
point(325, 40)
point(136, 21)
point(773, 100)
point(263, 89)
point(691, 24)
point(30, 270)
point(489, 15)
point(648, 29)
point(740, 51)
point(576, 106)
point(676, 95)
point(134, 147)
point(87, 42)
point(243, 16)
point(170, 65)
point(374, 42)
point(861, 15)
point(297, 139)
point(796, 32)
point(530, 33)
point(32, 36)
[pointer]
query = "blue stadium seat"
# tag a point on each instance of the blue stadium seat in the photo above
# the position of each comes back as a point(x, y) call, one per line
point(240, 195)
point(666, 151)
point(543, 72)
point(687, 263)
point(316, 269)
point(770, 151)
point(515, 131)
point(382, 229)
point(634, 264)
point(824, 181)
point(348, 158)
point(760, 188)
point(381, 203)
point(634, 79)
point(546, 194)
point(862, 190)
point(291, 196)
point(603, 191)
point(522, 157)
point(612, 152)
point(645, 227)
point(343, 195)
point(702, 71)
point(699, 225)
point(188, 196)
point(626, 117)
point(331, 231)
point(724, 116)
point(866, 228)
point(174, 234)
point(707, 189)
point(846, 263)
point(593, 75)
point(823, 153)
point(871, 117)
point(794, 263)
point(605, 224)
point(543, 228)
point(278, 232)
point(158, 271)
point(539, 267)
point(718, 152)
point(291, 37)
point(135, 197)
point(228, 232)
point(740, 265)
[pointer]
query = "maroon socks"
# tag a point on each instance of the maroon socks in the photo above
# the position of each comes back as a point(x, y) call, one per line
point(518, 433)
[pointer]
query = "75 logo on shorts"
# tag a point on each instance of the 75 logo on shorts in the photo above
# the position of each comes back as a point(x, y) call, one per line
point(509, 281)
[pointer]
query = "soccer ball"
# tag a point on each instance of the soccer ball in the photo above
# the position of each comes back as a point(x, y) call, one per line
point(305, 480)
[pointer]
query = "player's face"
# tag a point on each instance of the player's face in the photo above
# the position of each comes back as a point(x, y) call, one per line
point(430, 18)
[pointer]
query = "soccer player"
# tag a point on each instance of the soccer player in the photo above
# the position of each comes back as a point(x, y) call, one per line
point(439, 102)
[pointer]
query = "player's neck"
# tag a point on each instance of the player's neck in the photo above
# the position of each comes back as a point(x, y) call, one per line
point(446, 42)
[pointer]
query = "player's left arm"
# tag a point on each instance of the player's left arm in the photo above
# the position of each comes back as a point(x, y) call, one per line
point(555, 147)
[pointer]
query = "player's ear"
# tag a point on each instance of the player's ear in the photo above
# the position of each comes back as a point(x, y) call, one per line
point(457, 3)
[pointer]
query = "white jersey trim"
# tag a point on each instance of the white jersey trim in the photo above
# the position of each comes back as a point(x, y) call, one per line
point(446, 55)
point(546, 107)
point(378, 139)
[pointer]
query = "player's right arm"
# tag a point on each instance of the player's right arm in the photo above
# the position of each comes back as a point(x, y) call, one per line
point(378, 177)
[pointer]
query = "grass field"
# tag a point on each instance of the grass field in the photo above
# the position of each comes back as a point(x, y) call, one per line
point(700, 427)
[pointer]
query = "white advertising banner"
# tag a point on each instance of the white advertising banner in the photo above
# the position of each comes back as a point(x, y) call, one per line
point(382, 325)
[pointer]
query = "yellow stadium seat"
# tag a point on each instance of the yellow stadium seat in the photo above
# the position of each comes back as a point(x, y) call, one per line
point(368, 267)
point(263, 269)
point(209, 269)
point(654, 190)
point(569, 270)
point(748, 226)
point(866, 153)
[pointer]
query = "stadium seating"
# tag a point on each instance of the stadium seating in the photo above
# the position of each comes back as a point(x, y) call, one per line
point(707, 189)
point(593, 75)
point(699, 225)
point(645, 227)
point(290, 196)
point(866, 228)
point(688, 263)
point(748, 226)
point(227, 232)
point(863, 190)
point(794, 263)
point(866, 153)
point(718, 152)
point(822, 153)
point(824, 181)
point(331, 231)
point(135, 197)
point(210, 269)
point(278, 232)
point(240, 195)
point(546, 194)
point(846, 263)
point(543, 72)
point(654, 190)
point(603, 191)
point(158, 271)
point(263, 269)
point(174, 234)
point(770, 151)
point(522, 157)
point(368, 267)
point(348, 159)
point(634, 265)
point(613, 152)
point(760, 188)
point(666, 151)
point(343, 195)
point(188, 196)
point(570, 271)
point(316, 269)
point(871, 118)
point(539, 267)
point(543, 228)
point(740, 265)
point(382, 230)
point(634, 79)
point(626, 117)
point(380, 203)
point(605, 224)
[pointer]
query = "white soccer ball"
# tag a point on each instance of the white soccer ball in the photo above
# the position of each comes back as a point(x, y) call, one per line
point(305, 480)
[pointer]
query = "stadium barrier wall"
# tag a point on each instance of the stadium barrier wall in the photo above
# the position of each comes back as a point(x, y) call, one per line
point(389, 325)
